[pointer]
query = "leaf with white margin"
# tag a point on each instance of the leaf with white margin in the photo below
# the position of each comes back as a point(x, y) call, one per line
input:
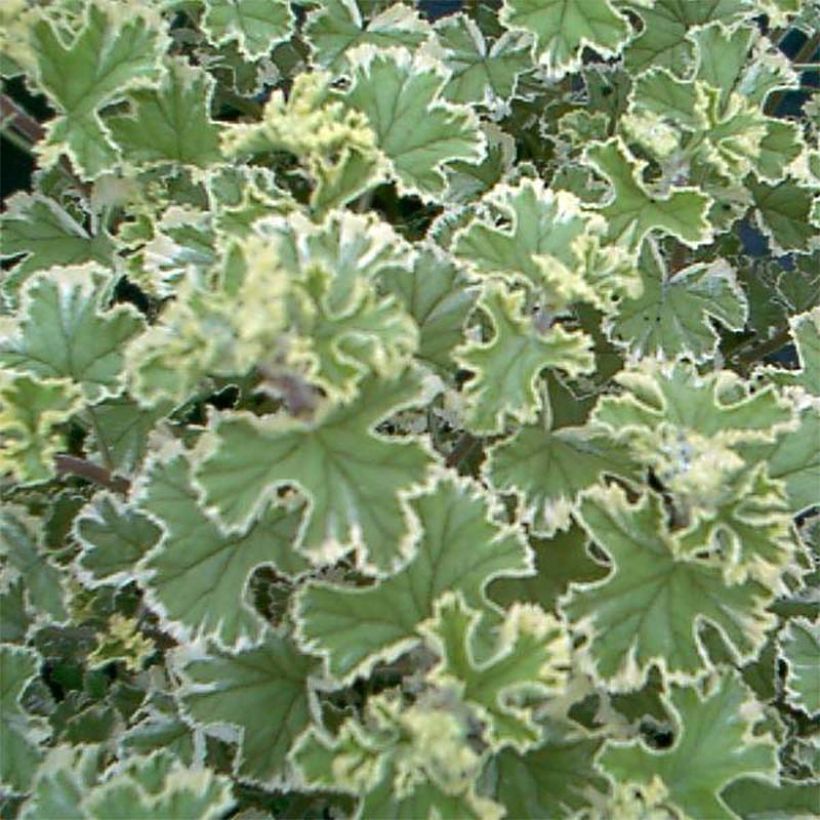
point(800, 645)
point(783, 214)
point(23, 552)
point(562, 28)
point(530, 660)
point(113, 537)
point(672, 316)
point(260, 694)
point(481, 74)
point(633, 211)
point(755, 799)
point(714, 746)
point(460, 547)
point(416, 128)
point(170, 123)
point(255, 25)
point(115, 50)
point(197, 577)
point(751, 531)
point(19, 731)
point(648, 610)
point(337, 26)
point(805, 331)
point(63, 331)
point(506, 368)
point(45, 234)
point(29, 412)
point(354, 479)
point(555, 779)
point(531, 233)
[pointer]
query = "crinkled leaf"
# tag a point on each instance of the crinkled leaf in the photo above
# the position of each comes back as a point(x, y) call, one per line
point(256, 25)
point(197, 576)
point(650, 607)
point(672, 315)
point(112, 52)
point(337, 26)
point(29, 412)
point(353, 477)
point(114, 537)
point(532, 658)
point(713, 748)
point(261, 693)
point(555, 779)
point(800, 644)
point(561, 28)
point(634, 211)
point(481, 73)
point(415, 127)
point(63, 331)
point(506, 368)
point(22, 550)
point(171, 123)
point(459, 547)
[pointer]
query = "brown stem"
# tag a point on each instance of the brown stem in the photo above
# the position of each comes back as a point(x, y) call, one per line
point(72, 465)
point(20, 121)
point(464, 447)
point(754, 354)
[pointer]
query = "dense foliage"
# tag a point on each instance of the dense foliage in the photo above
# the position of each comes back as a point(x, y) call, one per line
point(410, 418)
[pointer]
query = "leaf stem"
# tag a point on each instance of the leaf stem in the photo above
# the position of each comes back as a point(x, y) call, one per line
point(72, 465)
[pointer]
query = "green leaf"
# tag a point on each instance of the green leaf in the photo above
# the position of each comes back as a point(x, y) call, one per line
point(672, 316)
point(482, 74)
point(437, 297)
point(38, 228)
point(16, 619)
point(29, 412)
point(555, 779)
point(171, 123)
point(261, 694)
point(561, 28)
point(354, 478)
point(19, 754)
point(63, 331)
point(649, 609)
point(23, 552)
point(506, 369)
point(760, 800)
point(714, 747)
point(800, 644)
point(337, 26)
point(634, 211)
point(113, 52)
point(460, 547)
point(256, 25)
point(197, 578)
point(783, 214)
point(531, 659)
point(418, 131)
point(114, 537)
point(805, 330)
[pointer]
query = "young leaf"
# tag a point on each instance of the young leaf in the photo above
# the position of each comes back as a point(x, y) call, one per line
point(354, 478)
point(561, 28)
point(63, 331)
point(261, 694)
point(196, 576)
point(256, 25)
point(415, 127)
point(460, 548)
point(650, 607)
point(713, 748)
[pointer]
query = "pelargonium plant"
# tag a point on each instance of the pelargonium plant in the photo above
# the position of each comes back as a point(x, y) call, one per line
point(410, 411)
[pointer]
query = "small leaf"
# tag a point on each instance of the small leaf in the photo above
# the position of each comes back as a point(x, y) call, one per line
point(800, 644)
point(256, 25)
point(783, 214)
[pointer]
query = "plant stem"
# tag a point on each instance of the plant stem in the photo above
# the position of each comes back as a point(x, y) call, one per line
point(72, 465)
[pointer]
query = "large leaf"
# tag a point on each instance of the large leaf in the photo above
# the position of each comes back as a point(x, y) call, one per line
point(460, 548)
point(415, 127)
point(113, 52)
point(198, 577)
point(633, 211)
point(506, 368)
point(256, 25)
point(651, 606)
point(561, 28)
point(261, 694)
point(62, 331)
point(714, 747)
point(354, 478)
